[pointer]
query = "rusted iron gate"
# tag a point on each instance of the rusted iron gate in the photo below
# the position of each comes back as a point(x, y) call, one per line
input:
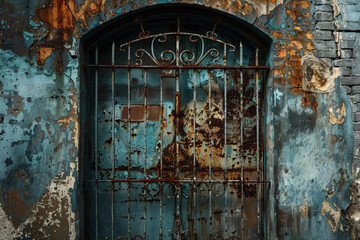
point(176, 143)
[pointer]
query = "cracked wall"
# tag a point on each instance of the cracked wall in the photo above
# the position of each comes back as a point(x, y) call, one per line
point(308, 117)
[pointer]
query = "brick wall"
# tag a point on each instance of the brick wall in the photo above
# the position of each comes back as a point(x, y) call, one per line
point(337, 40)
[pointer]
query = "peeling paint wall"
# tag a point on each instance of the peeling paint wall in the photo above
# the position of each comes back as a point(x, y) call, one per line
point(308, 129)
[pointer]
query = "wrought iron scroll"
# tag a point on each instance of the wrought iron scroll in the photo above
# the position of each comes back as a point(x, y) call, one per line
point(186, 57)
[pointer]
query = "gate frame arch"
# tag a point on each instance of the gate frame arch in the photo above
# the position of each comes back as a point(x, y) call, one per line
point(250, 31)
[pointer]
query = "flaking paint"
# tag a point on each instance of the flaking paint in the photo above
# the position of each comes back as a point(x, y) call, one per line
point(40, 89)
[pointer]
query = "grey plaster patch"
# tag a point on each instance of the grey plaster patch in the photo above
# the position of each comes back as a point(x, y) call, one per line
point(316, 75)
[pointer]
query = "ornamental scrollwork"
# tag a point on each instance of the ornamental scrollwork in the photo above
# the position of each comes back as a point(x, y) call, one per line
point(177, 56)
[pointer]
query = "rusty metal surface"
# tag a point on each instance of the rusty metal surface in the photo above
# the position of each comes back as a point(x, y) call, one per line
point(177, 139)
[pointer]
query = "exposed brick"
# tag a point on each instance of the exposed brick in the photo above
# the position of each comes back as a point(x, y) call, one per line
point(346, 53)
point(344, 71)
point(323, 35)
point(349, 26)
point(350, 14)
point(343, 63)
point(357, 135)
point(323, 16)
point(325, 25)
point(347, 44)
point(354, 90)
point(319, 44)
point(320, 2)
point(323, 8)
point(356, 117)
point(348, 36)
point(347, 89)
point(353, 80)
point(327, 53)
point(356, 143)
point(355, 98)
point(356, 126)
point(356, 54)
point(354, 108)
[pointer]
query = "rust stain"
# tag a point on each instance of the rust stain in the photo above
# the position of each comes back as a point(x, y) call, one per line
point(17, 106)
point(309, 101)
point(65, 122)
point(108, 142)
point(42, 54)
point(304, 209)
point(296, 43)
point(58, 147)
point(58, 15)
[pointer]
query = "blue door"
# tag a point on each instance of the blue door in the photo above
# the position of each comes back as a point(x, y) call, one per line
point(172, 133)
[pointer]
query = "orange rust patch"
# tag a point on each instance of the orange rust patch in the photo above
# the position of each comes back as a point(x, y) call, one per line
point(333, 139)
point(42, 54)
point(246, 9)
point(282, 53)
point(278, 72)
point(65, 122)
point(304, 4)
point(99, 7)
point(309, 35)
point(276, 35)
point(310, 46)
point(292, 13)
point(297, 44)
point(237, 4)
point(309, 101)
point(296, 91)
point(58, 15)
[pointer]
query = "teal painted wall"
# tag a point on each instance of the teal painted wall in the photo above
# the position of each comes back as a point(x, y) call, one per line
point(308, 146)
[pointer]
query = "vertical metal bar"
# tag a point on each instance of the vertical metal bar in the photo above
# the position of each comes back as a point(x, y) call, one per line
point(225, 143)
point(194, 157)
point(242, 140)
point(262, 186)
point(113, 137)
point(177, 103)
point(145, 153)
point(129, 142)
point(161, 160)
point(210, 155)
point(96, 144)
point(177, 106)
point(257, 141)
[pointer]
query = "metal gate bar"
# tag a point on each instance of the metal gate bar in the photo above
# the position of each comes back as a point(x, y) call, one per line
point(241, 139)
point(145, 151)
point(129, 132)
point(210, 154)
point(193, 231)
point(215, 67)
point(96, 144)
point(194, 181)
point(113, 135)
point(258, 194)
point(161, 154)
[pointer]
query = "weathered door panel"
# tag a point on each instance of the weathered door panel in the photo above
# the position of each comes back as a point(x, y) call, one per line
point(176, 150)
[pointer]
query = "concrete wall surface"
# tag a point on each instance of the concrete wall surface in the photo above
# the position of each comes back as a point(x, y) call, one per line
point(311, 117)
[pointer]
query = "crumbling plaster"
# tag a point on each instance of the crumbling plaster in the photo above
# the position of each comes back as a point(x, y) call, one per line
point(308, 140)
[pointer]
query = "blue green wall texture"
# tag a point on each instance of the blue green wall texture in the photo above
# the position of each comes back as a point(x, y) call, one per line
point(308, 157)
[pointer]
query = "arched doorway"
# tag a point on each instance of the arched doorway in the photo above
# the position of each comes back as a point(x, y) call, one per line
point(172, 116)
